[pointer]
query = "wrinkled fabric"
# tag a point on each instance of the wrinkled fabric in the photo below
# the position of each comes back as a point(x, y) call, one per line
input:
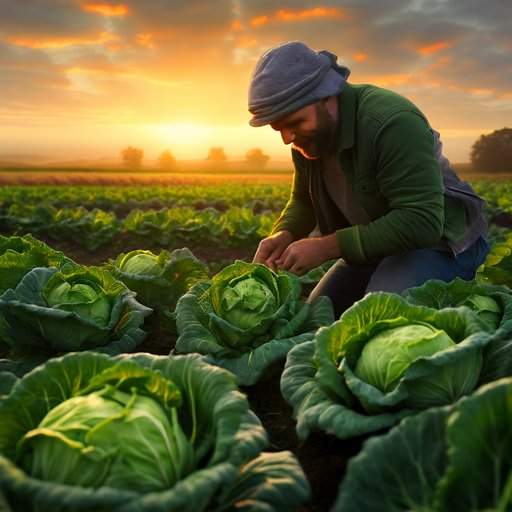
point(289, 77)
point(346, 283)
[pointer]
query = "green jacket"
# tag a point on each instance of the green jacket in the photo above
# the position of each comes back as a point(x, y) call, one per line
point(387, 151)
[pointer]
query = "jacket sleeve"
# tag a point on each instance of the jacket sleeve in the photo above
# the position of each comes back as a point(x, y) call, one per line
point(409, 177)
point(298, 215)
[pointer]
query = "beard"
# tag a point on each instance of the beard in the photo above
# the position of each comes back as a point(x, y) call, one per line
point(320, 140)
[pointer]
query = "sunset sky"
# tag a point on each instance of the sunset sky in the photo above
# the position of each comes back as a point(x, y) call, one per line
point(83, 79)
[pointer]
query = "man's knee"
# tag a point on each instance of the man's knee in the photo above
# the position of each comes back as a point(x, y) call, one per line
point(401, 271)
point(343, 284)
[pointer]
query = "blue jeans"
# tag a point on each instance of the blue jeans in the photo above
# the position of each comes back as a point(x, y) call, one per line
point(346, 283)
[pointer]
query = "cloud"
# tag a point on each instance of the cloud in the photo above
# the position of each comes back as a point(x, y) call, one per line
point(106, 9)
point(174, 61)
point(299, 15)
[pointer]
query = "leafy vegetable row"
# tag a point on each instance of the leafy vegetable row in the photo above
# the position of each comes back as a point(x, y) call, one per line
point(126, 198)
point(176, 226)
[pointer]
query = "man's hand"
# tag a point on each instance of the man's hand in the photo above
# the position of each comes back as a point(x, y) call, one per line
point(305, 254)
point(272, 247)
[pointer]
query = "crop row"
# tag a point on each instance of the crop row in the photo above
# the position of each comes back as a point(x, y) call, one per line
point(259, 198)
point(166, 227)
point(123, 199)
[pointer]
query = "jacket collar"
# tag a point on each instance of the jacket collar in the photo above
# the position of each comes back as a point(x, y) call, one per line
point(347, 100)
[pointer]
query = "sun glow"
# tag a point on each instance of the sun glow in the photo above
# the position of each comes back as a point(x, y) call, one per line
point(188, 134)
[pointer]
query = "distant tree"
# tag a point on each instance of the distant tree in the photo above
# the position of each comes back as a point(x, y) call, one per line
point(216, 156)
point(493, 152)
point(132, 157)
point(167, 161)
point(256, 158)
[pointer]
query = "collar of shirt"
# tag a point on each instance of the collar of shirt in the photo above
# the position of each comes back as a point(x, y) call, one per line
point(347, 100)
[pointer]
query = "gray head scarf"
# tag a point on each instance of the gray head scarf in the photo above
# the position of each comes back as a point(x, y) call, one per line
point(289, 77)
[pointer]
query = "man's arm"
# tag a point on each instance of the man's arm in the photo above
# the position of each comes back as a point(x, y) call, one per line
point(409, 177)
point(296, 221)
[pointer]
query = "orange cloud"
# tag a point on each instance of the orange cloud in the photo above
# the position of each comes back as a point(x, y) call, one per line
point(145, 39)
point(360, 57)
point(259, 21)
point(288, 15)
point(106, 9)
point(429, 49)
point(307, 14)
point(61, 42)
point(236, 25)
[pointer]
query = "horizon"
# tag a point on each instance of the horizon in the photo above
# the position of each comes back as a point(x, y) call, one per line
point(83, 79)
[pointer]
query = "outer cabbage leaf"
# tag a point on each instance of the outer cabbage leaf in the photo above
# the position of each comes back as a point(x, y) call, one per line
point(314, 275)
point(497, 267)
point(498, 353)
point(34, 330)
point(445, 459)
point(325, 392)
point(492, 303)
point(227, 438)
point(247, 352)
point(20, 254)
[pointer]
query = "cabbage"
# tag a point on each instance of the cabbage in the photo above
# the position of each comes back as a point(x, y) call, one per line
point(87, 299)
point(20, 254)
point(386, 356)
point(492, 303)
point(52, 311)
point(138, 433)
point(109, 438)
point(247, 317)
point(141, 264)
point(159, 280)
point(246, 302)
point(486, 308)
point(386, 359)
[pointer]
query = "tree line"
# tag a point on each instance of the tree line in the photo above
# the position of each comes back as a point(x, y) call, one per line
point(490, 153)
point(132, 158)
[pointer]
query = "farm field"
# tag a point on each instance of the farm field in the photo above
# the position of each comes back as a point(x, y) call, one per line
point(220, 219)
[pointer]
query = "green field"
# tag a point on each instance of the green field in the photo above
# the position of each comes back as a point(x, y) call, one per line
point(220, 219)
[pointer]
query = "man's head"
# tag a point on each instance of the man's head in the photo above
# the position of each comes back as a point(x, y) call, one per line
point(312, 129)
point(290, 78)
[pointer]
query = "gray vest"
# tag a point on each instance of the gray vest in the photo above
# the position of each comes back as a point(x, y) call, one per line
point(476, 224)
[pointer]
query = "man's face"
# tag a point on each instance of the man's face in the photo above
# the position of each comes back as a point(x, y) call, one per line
point(311, 129)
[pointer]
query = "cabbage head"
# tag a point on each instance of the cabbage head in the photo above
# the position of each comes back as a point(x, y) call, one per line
point(141, 264)
point(111, 438)
point(82, 296)
point(246, 318)
point(20, 254)
point(246, 301)
point(52, 311)
point(159, 280)
point(138, 433)
point(386, 356)
point(385, 359)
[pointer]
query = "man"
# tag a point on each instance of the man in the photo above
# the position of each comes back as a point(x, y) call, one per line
point(369, 176)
